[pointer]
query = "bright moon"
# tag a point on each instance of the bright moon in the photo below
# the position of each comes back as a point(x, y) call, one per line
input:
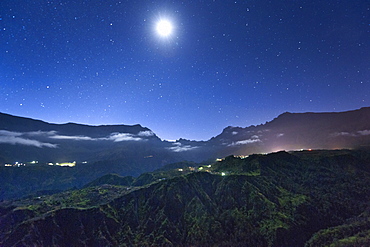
point(164, 28)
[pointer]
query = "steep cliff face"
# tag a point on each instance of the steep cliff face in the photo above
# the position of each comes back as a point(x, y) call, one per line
point(279, 199)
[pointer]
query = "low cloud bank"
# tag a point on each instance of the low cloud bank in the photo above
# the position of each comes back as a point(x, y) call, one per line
point(364, 132)
point(115, 137)
point(120, 137)
point(354, 134)
point(27, 138)
point(146, 133)
point(178, 147)
point(253, 139)
point(14, 138)
point(76, 138)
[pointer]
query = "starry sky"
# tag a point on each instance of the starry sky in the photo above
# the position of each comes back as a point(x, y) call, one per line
point(237, 63)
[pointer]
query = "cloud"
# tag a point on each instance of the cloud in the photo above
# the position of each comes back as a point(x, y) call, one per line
point(41, 133)
point(364, 132)
point(343, 133)
point(253, 139)
point(146, 133)
point(280, 135)
point(169, 140)
point(264, 130)
point(178, 147)
point(76, 138)
point(9, 133)
point(12, 137)
point(115, 137)
point(358, 133)
point(120, 137)
point(23, 141)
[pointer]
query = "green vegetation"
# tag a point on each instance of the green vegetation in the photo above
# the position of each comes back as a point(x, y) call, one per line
point(112, 179)
point(355, 232)
point(318, 198)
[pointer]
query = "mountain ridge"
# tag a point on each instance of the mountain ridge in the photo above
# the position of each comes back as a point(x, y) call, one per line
point(283, 116)
point(5, 117)
point(132, 150)
point(30, 124)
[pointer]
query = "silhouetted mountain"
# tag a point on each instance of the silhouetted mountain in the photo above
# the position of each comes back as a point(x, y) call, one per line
point(315, 198)
point(21, 124)
point(68, 142)
point(295, 131)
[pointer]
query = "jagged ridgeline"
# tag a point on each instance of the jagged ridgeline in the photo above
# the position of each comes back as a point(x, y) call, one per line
point(35, 155)
point(317, 198)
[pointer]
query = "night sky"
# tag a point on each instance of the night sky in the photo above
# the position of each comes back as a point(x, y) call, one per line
point(237, 63)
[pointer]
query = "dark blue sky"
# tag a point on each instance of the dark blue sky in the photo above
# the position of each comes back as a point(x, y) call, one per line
point(226, 63)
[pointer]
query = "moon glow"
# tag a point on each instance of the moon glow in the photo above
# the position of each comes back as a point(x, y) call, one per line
point(164, 28)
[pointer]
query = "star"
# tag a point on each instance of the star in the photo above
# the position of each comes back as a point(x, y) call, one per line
point(200, 56)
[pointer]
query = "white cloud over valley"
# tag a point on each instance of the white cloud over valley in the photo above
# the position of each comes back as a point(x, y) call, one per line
point(120, 137)
point(146, 133)
point(29, 138)
point(354, 134)
point(179, 147)
point(14, 138)
point(364, 132)
point(253, 139)
point(76, 138)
